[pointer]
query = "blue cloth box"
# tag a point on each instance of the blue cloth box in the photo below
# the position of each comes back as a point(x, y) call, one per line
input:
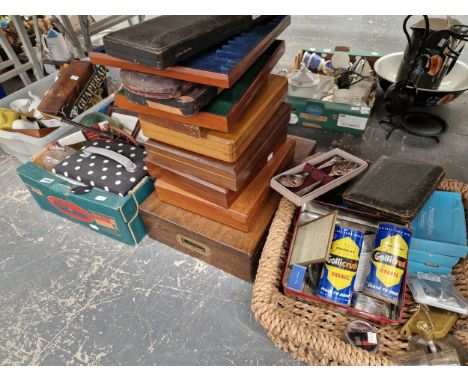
point(439, 234)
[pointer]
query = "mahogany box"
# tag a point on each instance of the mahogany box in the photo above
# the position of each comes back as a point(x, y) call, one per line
point(231, 176)
point(217, 244)
point(243, 212)
point(227, 147)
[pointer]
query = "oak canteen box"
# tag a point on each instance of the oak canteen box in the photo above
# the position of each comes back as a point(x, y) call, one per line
point(223, 247)
point(243, 212)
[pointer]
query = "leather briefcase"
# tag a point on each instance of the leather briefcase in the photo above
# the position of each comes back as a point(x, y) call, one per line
point(165, 40)
point(395, 188)
point(65, 91)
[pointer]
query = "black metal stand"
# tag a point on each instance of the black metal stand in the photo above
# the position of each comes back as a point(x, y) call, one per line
point(436, 126)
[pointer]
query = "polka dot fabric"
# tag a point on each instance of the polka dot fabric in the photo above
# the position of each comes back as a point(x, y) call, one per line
point(102, 172)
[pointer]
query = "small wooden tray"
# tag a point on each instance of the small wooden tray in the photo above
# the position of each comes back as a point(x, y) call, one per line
point(232, 176)
point(299, 201)
point(221, 80)
point(227, 147)
point(245, 209)
point(211, 117)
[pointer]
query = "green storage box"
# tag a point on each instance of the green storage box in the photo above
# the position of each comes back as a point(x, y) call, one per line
point(103, 212)
point(328, 115)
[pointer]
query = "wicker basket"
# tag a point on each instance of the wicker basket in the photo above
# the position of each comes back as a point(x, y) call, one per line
point(312, 332)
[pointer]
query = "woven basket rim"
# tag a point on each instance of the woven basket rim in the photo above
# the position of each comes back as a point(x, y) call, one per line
point(308, 331)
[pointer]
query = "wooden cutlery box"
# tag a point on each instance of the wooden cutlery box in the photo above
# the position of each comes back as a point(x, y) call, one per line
point(221, 246)
point(227, 147)
point(227, 107)
point(232, 176)
point(243, 212)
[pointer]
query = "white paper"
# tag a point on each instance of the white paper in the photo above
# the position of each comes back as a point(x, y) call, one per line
point(365, 110)
point(72, 139)
point(364, 262)
point(362, 271)
point(372, 337)
point(351, 121)
point(51, 123)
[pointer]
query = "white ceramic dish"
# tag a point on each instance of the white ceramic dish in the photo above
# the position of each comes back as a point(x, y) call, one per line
point(453, 85)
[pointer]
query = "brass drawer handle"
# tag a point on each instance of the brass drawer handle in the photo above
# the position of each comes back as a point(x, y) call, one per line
point(194, 245)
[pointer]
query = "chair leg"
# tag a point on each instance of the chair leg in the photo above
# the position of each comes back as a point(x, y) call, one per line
point(68, 30)
point(27, 47)
point(14, 58)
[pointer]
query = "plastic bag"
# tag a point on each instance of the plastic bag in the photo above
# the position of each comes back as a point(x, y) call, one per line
point(438, 291)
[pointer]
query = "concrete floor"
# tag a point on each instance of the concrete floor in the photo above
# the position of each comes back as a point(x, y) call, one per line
point(72, 297)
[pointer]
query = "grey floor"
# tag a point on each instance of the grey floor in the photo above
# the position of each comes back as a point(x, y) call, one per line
point(72, 297)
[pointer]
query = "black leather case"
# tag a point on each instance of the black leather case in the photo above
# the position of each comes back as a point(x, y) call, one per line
point(157, 87)
point(188, 104)
point(396, 188)
point(165, 40)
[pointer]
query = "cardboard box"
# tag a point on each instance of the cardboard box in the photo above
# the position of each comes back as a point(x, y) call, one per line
point(424, 261)
point(103, 212)
point(328, 115)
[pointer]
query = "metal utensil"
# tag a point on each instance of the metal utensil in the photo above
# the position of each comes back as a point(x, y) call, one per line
point(293, 180)
point(334, 160)
point(306, 190)
point(342, 168)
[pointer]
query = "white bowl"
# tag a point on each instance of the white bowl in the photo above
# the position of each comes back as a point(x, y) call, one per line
point(453, 85)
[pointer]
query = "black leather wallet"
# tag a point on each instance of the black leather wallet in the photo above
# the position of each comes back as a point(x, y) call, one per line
point(395, 188)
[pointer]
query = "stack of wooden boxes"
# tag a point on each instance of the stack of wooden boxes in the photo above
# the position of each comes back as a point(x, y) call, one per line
point(213, 200)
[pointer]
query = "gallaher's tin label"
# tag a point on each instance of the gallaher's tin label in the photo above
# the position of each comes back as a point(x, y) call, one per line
point(339, 272)
point(388, 263)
